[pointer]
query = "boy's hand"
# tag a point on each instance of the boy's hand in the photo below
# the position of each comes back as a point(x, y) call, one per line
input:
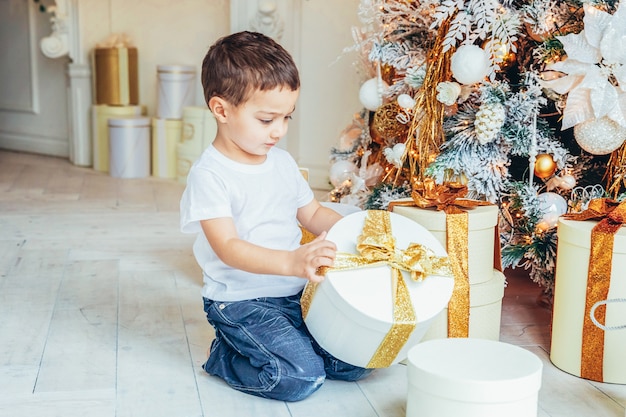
point(309, 257)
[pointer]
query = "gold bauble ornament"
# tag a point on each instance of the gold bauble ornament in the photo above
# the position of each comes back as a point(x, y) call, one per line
point(386, 125)
point(544, 166)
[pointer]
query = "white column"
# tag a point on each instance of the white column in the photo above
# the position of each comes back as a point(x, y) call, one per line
point(79, 104)
point(65, 40)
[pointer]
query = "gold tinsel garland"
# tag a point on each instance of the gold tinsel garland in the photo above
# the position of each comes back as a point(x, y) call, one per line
point(616, 171)
point(426, 134)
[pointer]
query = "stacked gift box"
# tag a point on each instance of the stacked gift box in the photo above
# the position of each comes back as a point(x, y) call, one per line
point(117, 112)
point(117, 98)
point(589, 314)
point(176, 90)
point(476, 304)
point(198, 131)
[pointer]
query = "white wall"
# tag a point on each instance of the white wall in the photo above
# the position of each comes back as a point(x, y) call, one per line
point(165, 32)
point(179, 32)
point(329, 93)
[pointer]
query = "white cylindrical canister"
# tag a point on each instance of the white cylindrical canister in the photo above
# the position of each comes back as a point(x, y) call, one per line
point(129, 147)
point(175, 90)
point(100, 115)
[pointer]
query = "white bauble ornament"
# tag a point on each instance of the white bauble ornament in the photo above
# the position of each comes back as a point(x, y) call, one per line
point(599, 136)
point(369, 95)
point(469, 64)
point(552, 205)
point(406, 101)
point(340, 171)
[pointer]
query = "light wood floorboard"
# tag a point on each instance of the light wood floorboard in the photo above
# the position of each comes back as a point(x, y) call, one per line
point(101, 313)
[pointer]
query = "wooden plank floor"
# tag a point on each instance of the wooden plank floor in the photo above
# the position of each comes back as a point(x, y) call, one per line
point(101, 315)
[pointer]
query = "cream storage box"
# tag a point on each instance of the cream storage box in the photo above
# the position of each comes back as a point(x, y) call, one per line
point(566, 351)
point(350, 313)
point(166, 135)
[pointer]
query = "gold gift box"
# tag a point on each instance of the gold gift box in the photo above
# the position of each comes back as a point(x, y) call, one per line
point(116, 76)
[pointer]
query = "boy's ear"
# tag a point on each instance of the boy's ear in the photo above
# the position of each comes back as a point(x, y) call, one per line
point(218, 108)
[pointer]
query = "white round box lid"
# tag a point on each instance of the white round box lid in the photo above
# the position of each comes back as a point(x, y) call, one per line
point(176, 69)
point(368, 290)
point(474, 370)
point(129, 121)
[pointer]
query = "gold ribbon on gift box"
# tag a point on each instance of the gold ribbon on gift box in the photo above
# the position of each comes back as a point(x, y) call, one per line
point(611, 216)
point(376, 246)
point(450, 198)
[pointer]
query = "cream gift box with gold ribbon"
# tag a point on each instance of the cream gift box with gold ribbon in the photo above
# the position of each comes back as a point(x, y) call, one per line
point(369, 310)
point(480, 226)
point(578, 346)
point(476, 305)
point(485, 311)
point(166, 134)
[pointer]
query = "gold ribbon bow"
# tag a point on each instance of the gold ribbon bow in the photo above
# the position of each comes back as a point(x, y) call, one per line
point(376, 246)
point(611, 216)
point(450, 198)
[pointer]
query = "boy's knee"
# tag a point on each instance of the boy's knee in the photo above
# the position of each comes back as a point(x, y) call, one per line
point(296, 388)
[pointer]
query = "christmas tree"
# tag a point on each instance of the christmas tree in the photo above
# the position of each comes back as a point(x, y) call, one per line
point(522, 103)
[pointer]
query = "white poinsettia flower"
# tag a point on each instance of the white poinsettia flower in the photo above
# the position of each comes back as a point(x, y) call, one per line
point(394, 155)
point(595, 68)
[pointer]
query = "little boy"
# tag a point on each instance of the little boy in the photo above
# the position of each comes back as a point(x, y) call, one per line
point(246, 198)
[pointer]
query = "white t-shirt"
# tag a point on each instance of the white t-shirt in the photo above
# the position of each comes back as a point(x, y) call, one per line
point(262, 200)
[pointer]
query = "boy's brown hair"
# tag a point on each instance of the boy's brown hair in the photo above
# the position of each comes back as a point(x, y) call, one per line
point(239, 64)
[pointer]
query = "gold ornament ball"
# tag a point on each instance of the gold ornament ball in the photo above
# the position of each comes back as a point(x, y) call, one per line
point(544, 166)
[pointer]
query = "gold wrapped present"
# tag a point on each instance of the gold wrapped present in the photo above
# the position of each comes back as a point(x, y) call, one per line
point(116, 75)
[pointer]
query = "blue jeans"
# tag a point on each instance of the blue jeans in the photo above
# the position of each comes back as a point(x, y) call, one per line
point(262, 347)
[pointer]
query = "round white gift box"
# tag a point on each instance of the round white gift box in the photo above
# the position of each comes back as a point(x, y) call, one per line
point(351, 311)
point(472, 378)
point(176, 85)
point(129, 143)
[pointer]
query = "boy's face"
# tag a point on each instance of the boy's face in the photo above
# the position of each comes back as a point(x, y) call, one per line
point(251, 129)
